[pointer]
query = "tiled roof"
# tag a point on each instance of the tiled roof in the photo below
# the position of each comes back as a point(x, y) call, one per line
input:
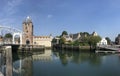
point(74, 36)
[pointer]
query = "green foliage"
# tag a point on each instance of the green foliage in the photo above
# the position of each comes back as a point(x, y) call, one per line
point(76, 42)
point(8, 35)
point(54, 40)
point(62, 40)
point(85, 40)
point(88, 40)
point(84, 34)
point(108, 40)
point(93, 40)
point(64, 33)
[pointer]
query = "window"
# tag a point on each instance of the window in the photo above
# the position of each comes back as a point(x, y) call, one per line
point(34, 42)
point(27, 31)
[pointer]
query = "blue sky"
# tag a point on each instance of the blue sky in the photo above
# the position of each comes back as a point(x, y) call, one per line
point(54, 16)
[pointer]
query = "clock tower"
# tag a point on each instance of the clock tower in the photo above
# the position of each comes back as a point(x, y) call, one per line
point(28, 31)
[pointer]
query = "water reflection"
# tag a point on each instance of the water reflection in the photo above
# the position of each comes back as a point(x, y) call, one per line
point(61, 63)
point(23, 63)
point(23, 66)
point(44, 55)
point(78, 57)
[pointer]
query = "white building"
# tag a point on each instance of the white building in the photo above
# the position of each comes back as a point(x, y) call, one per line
point(94, 34)
point(42, 40)
point(102, 42)
point(75, 36)
point(67, 37)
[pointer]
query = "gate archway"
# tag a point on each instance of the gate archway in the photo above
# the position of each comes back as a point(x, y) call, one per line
point(27, 42)
point(20, 35)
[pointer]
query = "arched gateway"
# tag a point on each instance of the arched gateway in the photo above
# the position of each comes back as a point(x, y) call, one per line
point(20, 35)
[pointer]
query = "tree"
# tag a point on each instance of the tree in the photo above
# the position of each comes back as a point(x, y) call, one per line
point(62, 40)
point(54, 40)
point(8, 35)
point(83, 34)
point(76, 42)
point(93, 40)
point(108, 40)
point(64, 33)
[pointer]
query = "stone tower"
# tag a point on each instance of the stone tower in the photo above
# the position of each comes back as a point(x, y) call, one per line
point(28, 31)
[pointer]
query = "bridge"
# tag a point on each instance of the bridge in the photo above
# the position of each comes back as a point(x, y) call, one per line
point(7, 47)
point(15, 32)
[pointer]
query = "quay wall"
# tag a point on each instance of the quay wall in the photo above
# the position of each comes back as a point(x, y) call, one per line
point(71, 47)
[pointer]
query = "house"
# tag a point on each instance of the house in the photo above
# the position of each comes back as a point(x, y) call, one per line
point(67, 37)
point(75, 36)
point(102, 42)
point(117, 40)
point(55, 41)
point(7, 40)
point(94, 34)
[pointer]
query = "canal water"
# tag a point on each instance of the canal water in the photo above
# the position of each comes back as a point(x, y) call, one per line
point(66, 63)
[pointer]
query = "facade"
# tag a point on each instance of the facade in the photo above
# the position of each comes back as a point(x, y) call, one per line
point(30, 39)
point(67, 37)
point(7, 41)
point(117, 40)
point(75, 36)
point(42, 40)
point(55, 41)
point(102, 42)
point(78, 36)
point(28, 30)
point(94, 34)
